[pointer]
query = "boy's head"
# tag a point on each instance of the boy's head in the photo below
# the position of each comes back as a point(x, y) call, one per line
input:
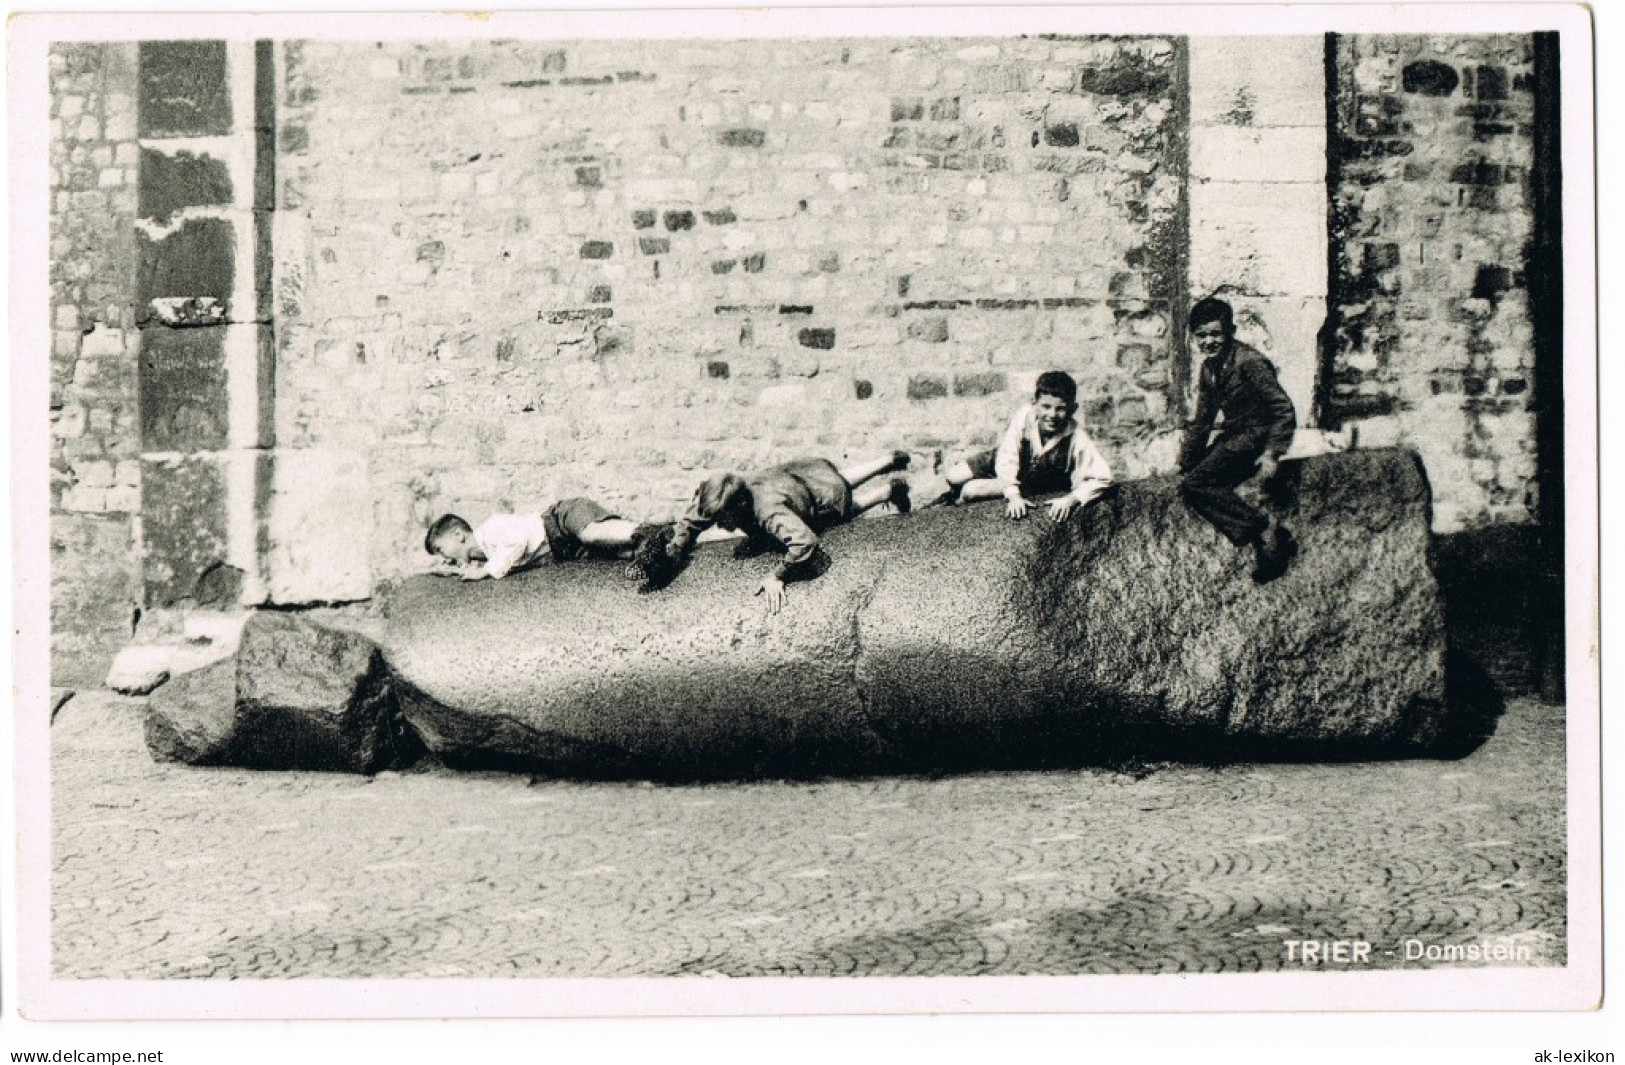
point(724, 499)
point(1055, 400)
point(450, 537)
point(1212, 324)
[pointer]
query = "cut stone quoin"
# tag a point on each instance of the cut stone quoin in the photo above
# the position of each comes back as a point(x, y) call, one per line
point(954, 639)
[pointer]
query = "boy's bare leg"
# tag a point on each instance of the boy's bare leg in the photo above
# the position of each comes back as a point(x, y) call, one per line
point(609, 534)
point(859, 472)
point(981, 488)
point(871, 495)
point(958, 475)
point(891, 490)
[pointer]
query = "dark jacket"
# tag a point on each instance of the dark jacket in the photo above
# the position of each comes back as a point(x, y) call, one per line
point(1240, 384)
point(790, 505)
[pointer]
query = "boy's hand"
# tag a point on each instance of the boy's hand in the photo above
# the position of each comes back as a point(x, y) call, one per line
point(775, 594)
point(1016, 508)
point(444, 567)
point(475, 573)
point(1061, 509)
point(1267, 466)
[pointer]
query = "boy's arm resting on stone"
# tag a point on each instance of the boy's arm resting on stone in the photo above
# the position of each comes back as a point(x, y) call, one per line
point(500, 558)
point(686, 531)
point(800, 545)
point(1091, 476)
point(801, 548)
point(1007, 459)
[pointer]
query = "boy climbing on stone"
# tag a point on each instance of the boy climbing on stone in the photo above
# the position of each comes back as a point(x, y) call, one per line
point(1238, 383)
point(1043, 450)
point(784, 508)
point(505, 543)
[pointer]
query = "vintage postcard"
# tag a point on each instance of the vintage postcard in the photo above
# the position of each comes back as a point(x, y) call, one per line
point(888, 510)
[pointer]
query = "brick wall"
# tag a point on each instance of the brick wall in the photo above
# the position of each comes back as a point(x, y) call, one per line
point(508, 270)
point(1432, 215)
point(95, 469)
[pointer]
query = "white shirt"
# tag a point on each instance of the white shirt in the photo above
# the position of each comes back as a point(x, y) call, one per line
point(1091, 474)
point(510, 542)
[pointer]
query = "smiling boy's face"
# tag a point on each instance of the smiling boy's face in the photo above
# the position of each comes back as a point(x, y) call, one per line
point(1052, 413)
point(1211, 337)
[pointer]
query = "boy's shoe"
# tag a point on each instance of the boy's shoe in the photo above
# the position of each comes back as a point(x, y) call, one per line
point(1275, 554)
point(900, 499)
point(652, 563)
point(900, 460)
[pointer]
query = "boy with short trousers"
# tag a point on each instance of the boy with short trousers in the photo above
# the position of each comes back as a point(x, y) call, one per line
point(505, 543)
point(1043, 451)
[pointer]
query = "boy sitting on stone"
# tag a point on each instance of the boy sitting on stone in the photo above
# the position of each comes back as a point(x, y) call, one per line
point(1043, 450)
point(1237, 384)
point(505, 543)
point(784, 508)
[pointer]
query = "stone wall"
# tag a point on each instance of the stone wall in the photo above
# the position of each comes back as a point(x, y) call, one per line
point(1432, 214)
point(306, 295)
point(510, 270)
point(95, 430)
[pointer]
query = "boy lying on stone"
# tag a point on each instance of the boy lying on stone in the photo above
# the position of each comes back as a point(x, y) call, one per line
point(505, 543)
point(784, 508)
point(1043, 450)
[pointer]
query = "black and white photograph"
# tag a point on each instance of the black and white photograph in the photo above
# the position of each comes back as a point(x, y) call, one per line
point(872, 511)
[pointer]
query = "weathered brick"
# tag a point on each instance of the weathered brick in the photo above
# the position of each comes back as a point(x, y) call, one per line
point(1061, 135)
point(822, 339)
point(927, 386)
point(741, 138)
point(932, 329)
point(1430, 78)
point(984, 383)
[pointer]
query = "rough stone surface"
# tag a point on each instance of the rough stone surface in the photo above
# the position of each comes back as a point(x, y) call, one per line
point(95, 435)
point(194, 719)
point(314, 697)
point(298, 696)
point(952, 638)
point(1433, 214)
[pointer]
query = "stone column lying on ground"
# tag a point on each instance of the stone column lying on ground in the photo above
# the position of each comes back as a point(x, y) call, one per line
point(955, 638)
point(298, 695)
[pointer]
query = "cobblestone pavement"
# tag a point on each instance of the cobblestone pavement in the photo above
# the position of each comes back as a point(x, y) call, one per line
point(165, 871)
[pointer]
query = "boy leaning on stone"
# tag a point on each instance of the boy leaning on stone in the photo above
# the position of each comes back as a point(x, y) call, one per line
point(784, 508)
point(1043, 450)
point(505, 543)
